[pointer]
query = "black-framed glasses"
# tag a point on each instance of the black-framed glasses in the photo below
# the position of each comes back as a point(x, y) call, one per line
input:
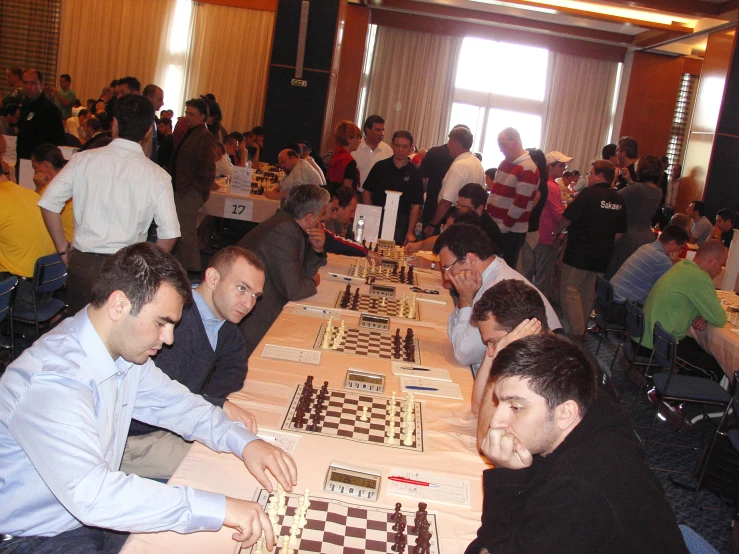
point(425, 291)
point(449, 267)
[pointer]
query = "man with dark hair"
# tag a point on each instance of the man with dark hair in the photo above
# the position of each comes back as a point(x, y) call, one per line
point(156, 95)
point(513, 194)
point(76, 124)
point(208, 356)
point(63, 97)
point(75, 392)
point(339, 215)
point(470, 266)
point(627, 152)
point(291, 247)
point(9, 117)
point(724, 230)
point(595, 220)
point(193, 172)
point(701, 228)
point(473, 197)
point(562, 454)
point(297, 172)
point(117, 193)
point(608, 153)
point(96, 132)
point(397, 173)
point(165, 142)
point(40, 120)
point(128, 85)
point(638, 274)
point(372, 149)
point(465, 168)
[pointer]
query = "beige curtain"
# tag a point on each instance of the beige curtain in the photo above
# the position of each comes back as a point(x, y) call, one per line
point(229, 57)
point(412, 82)
point(579, 110)
point(102, 41)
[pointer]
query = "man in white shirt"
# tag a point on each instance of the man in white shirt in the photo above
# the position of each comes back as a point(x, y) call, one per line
point(117, 193)
point(465, 168)
point(297, 172)
point(76, 124)
point(371, 150)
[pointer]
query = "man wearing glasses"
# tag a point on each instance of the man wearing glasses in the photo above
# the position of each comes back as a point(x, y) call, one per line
point(40, 121)
point(208, 356)
point(470, 266)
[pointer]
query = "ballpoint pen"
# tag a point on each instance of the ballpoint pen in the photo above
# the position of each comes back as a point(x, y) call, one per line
point(411, 368)
point(399, 479)
point(414, 387)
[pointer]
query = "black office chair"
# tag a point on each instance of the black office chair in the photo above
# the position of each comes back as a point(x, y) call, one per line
point(670, 386)
point(602, 305)
point(49, 275)
point(7, 295)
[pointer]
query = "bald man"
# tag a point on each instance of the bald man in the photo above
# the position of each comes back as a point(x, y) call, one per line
point(297, 172)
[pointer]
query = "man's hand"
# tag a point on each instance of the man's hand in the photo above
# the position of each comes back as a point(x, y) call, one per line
point(249, 520)
point(505, 450)
point(374, 256)
point(241, 415)
point(413, 247)
point(259, 455)
point(422, 263)
point(428, 231)
point(410, 237)
point(467, 283)
point(699, 323)
point(316, 237)
point(526, 328)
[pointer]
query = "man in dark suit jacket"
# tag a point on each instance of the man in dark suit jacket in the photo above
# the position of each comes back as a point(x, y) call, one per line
point(290, 245)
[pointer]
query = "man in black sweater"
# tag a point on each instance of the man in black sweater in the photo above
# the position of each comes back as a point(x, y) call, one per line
point(208, 356)
point(569, 473)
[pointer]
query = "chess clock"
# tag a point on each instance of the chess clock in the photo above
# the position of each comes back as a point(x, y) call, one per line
point(353, 481)
point(382, 243)
point(371, 321)
point(387, 291)
point(363, 381)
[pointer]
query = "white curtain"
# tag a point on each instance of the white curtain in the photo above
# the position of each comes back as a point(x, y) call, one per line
point(229, 57)
point(412, 83)
point(579, 110)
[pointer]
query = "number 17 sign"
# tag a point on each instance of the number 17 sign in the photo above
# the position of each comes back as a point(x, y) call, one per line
point(238, 208)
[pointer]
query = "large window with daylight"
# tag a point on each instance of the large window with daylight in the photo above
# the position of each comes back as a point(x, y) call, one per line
point(499, 85)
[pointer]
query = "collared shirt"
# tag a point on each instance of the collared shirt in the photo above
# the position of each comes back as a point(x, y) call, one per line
point(465, 168)
point(385, 175)
point(512, 197)
point(211, 323)
point(224, 167)
point(302, 174)
point(638, 274)
point(117, 193)
point(366, 158)
point(551, 214)
point(701, 230)
point(65, 409)
point(466, 339)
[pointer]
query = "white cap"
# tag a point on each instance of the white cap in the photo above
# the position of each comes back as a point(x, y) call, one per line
point(557, 157)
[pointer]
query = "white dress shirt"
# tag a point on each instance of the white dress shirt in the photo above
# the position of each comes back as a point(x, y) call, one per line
point(465, 168)
point(117, 192)
point(65, 409)
point(302, 174)
point(224, 167)
point(366, 158)
point(466, 339)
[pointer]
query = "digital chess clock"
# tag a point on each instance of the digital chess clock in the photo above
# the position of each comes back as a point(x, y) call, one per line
point(387, 291)
point(361, 380)
point(371, 321)
point(353, 481)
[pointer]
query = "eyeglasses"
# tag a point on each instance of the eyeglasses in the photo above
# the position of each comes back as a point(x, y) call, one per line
point(425, 291)
point(448, 268)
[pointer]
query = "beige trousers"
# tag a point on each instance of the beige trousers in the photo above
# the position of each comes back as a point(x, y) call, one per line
point(577, 293)
point(155, 456)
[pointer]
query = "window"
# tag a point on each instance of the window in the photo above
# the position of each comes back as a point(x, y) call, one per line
point(680, 119)
point(499, 85)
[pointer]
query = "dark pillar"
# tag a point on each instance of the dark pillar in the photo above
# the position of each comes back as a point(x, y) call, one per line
point(293, 113)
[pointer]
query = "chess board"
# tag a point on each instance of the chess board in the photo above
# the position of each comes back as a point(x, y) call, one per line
point(381, 277)
point(372, 343)
point(728, 297)
point(340, 527)
point(373, 305)
point(341, 413)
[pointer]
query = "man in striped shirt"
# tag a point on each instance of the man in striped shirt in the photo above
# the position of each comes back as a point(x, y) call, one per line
point(512, 198)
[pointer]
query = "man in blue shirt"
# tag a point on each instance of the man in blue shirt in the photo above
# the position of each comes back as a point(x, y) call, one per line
point(65, 407)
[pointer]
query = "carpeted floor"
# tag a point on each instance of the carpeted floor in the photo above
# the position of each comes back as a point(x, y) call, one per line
point(674, 465)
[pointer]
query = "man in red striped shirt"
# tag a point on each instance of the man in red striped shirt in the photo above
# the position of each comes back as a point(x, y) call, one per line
point(512, 198)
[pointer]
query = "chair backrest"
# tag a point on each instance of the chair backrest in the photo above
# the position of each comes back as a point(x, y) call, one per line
point(665, 347)
point(49, 273)
point(603, 300)
point(7, 288)
point(634, 319)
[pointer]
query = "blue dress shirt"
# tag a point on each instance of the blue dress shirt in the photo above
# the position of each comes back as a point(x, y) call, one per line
point(65, 409)
point(211, 323)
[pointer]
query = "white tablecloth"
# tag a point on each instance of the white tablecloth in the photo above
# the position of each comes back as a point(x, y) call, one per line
point(261, 208)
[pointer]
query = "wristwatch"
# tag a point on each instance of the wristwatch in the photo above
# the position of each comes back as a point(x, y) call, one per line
point(433, 265)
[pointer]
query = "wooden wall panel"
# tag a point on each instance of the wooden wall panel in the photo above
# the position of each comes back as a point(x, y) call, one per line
point(267, 5)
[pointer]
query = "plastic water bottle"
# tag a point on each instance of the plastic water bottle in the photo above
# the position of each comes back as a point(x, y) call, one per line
point(359, 235)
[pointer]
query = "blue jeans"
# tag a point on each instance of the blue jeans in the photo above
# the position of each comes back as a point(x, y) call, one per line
point(83, 540)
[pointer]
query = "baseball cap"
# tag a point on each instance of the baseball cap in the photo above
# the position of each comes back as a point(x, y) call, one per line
point(557, 157)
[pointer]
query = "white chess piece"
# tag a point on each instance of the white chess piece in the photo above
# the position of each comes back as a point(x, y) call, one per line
point(293, 540)
point(306, 498)
point(391, 434)
point(355, 273)
point(383, 302)
point(408, 438)
point(259, 548)
point(285, 549)
point(364, 417)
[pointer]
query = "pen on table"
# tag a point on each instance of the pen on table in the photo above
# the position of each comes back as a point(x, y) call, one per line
point(414, 387)
point(411, 368)
point(399, 479)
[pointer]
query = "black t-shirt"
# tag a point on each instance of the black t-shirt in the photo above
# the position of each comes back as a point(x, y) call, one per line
point(40, 122)
point(536, 211)
point(621, 182)
point(596, 216)
point(385, 175)
point(492, 231)
point(434, 166)
point(726, 238)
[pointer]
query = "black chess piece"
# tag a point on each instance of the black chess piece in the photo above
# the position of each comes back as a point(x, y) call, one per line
point(421, 513)
point(324, 388)
point(299, 418)
point(395, 269)
point(364, 244)
point(376, 248)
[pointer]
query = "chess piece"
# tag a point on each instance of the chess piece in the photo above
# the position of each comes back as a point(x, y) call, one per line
point(383, 303)
point(364, 417)
point(260, 547)
point(397, 514)
point(293, 539)
point(408, 438)
point(285, 549)
point(299, 413)
point(306, 499)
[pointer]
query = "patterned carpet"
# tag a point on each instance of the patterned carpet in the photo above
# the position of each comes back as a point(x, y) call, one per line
point(712, 517)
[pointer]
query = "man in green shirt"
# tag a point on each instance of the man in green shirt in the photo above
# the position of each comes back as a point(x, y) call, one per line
point(64, 97)
point(685, 296)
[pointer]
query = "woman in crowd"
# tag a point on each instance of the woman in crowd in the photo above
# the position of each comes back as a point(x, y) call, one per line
point(342, 171)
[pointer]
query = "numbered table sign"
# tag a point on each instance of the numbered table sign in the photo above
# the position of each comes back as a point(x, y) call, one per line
point(241, 180)
point(238, 208)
